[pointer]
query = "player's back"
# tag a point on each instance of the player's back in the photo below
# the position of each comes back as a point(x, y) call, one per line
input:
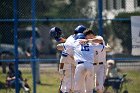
point(70, 40)
point(84, 52)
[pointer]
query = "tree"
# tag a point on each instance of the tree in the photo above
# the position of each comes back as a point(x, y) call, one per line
point(70, 10)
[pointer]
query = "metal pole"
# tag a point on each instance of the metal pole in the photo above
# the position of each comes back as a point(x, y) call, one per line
point(33, 48)
point(16, 44)
point(100, 21)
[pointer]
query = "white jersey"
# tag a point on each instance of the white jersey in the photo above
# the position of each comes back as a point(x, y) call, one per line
point(70, 41)
point(68, 60)
point(84, 52)
point(102, 53)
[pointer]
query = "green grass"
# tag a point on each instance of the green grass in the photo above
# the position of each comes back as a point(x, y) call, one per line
point(133, 81)
point(50, 81)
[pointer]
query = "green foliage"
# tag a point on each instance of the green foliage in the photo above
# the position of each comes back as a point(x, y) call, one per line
point(73, 9)
point(6, 9)
point(61, 9)
point(44, 9)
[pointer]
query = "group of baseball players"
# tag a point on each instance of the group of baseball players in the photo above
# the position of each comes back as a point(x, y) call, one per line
point(82, 62)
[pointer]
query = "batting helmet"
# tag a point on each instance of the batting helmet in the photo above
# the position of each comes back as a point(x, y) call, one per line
point(55, 32)
point(80, 29)
point(80, 36)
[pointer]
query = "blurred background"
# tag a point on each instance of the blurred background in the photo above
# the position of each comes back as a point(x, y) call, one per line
point(26, 23)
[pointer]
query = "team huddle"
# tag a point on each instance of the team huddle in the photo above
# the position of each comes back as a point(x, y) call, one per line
point(82, 62)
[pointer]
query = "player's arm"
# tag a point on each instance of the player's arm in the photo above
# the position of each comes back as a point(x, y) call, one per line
point(95, 40)
point(61, 40)
point(63, 60)
point(60, 46)
point(64, 47)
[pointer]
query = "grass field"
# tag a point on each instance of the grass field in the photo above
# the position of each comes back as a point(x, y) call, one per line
point(50, 81)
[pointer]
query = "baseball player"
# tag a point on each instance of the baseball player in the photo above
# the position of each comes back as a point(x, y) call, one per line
point(99, 61)
point(83, 56)
point(81, 87)
point(93, 40)
point(100, 66)
point(55, 33)
point(68, 68)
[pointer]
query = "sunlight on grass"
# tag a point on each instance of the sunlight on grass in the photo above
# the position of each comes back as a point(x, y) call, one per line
point(50, 81)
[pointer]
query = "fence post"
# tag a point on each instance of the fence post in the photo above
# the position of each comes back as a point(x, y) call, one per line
point(16, 44)
point(100, 20)
point(33, 48)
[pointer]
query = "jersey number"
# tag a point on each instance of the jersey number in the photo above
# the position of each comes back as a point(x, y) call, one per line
point(85, 47)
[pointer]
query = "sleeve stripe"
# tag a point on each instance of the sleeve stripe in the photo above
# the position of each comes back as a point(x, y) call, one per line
point(64, 46)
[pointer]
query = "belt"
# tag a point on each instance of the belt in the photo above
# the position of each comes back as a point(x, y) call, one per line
point(81, 62)
point(98, 63)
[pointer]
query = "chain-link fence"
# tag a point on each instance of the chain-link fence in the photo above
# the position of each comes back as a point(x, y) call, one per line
point(25, 41)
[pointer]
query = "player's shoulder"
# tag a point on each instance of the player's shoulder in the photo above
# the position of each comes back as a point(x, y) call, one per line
point(70, 38)
point(76, 42)
point(98, 45)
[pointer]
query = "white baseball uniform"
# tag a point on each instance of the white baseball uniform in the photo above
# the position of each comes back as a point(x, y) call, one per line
point(83, 56)
point(100, 66)
point(69, 68)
